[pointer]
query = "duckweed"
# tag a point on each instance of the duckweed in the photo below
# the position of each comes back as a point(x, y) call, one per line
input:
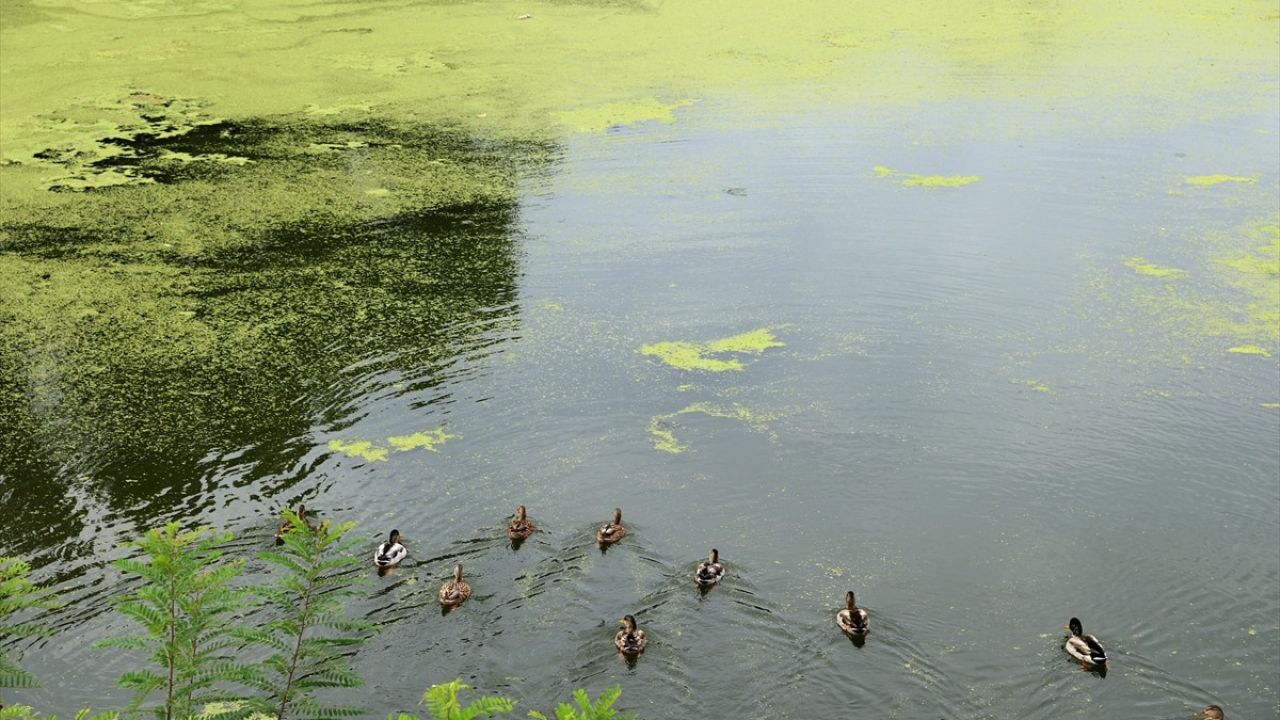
point(693, 356)
point(913, 180)
point(1144, 267)
point(364, 449)
point(426, 440)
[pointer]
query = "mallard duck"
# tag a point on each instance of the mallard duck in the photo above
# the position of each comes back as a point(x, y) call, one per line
point(630, 639)
point(287, 526)
point(454, 592)
point(1213, 712)
point(520, 528)
point(853, 619)
point(1084, 648)
point(390, 552)
point(710, 570)
point(611, 532)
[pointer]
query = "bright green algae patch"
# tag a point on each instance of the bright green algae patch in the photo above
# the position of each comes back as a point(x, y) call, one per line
point(1207, 180)
point(693, 356)
point(426, 440)
point(1144, 267)
point(1250, 350)
point(603, 117)
point(364, 449)
point(914, 180)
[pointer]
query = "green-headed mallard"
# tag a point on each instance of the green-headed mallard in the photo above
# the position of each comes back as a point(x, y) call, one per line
point(853, 619)
point(390, 552)
point(611, 532)
point(630, 640)
point(520, 528)
point(710, 570)
point(1084, 648)
point(454, 592)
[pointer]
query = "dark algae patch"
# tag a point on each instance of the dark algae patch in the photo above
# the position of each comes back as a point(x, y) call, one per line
point(210, 308)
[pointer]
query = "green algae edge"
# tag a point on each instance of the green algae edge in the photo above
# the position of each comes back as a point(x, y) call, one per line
point(928, 181)
point(694, 356)
point(1208, 180)
point(665, 439)
point(359, 449)
point(1144, 267)
point(1250, 350)
point(602, 117)
point(688, 356)
point(427, 440)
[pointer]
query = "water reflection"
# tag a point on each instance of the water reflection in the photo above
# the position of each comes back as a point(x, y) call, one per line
point(190, 335)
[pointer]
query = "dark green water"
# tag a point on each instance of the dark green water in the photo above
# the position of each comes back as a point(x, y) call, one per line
point(981, 420)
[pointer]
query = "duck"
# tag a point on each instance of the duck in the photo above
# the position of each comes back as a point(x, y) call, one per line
point(630, 640)
point(710, 570)
point(1084, 648)
point(390, 552)
point(611, 532)
point(853, 619)
point(1213, 712)
point(454, 592)
point(520, 528)
point(287, 525)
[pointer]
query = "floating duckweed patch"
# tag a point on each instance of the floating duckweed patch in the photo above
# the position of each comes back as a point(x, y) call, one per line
point(1250, 350)
point(1144, 267)
point(913, 180)
point(359, 449)
point(664, 437)
point(603, 117)
point(1039, 386)
point(1271, 405)
point(426, 440)
point(1206, 180)
point(693, 356)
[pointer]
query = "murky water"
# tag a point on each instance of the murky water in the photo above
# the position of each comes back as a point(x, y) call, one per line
point(994, 379)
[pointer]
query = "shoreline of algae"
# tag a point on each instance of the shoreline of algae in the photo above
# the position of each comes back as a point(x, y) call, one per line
point(685, 355)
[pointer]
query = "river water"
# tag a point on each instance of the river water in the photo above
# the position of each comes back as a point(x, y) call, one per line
point(987, 380)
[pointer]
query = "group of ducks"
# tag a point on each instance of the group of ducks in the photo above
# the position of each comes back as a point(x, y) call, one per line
point(630, 640)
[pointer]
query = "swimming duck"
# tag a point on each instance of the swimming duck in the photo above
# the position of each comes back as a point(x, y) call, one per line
point(710, 570)
point(287, 526)
point(520, 528)
point(611, 532)
point(1084, 648)
point(630, 639)
point(853, 619)
point(390, 552)
point(1213, 712)
point(454, 592)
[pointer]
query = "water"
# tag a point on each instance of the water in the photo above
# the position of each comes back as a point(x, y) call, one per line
point(980, 420)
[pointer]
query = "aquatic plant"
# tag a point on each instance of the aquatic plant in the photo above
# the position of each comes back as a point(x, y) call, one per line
point(17, 593)
point(307, 600)
point(602, 709)
point(185, 605)
point(443, 703)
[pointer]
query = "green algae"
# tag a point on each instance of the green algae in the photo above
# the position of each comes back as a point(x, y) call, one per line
point(427, 440)
point(1039, 386)
point(602, 117)
point(364, 449)
point(1144, 267)
point(1207, 180)
point(1271, 406)
point(1250, 350)
point(694, 356)
point(931, 181)
point(665, 440)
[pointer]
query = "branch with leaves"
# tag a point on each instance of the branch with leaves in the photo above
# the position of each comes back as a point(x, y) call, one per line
point(185, 605)
point(18, 594)
point(310, 634)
